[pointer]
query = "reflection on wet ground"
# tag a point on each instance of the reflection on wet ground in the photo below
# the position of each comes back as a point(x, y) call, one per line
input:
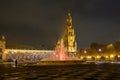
point(78, 72)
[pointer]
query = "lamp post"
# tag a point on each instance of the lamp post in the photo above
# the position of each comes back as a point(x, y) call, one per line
point(100, 51)
point(85, 52)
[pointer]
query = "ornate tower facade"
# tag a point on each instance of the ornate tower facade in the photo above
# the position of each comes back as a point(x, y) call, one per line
point(2, 44)
point(70, 37)
point(2, 48)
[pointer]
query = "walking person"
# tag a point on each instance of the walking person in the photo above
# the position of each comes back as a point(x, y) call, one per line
point(16, 62)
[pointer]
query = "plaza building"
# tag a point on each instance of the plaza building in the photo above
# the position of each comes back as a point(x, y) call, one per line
point(22, 54)
point(100, 53)
point(69, 40)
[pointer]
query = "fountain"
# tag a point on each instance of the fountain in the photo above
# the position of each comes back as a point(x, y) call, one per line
point(65, 49)
point(59, 53)
point(60, 57)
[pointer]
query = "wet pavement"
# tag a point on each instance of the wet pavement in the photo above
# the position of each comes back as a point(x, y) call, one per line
point(76, 72)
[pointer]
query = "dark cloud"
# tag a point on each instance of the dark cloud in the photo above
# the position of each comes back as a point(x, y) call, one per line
point(41, 22)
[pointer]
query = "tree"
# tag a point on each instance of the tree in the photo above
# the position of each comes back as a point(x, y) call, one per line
point(94, 46)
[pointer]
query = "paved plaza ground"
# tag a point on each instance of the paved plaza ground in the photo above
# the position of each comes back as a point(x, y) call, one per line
point(76, 72)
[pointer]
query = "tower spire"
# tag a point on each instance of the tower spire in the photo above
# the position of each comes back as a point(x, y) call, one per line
point(69, 19)
point(70, 36)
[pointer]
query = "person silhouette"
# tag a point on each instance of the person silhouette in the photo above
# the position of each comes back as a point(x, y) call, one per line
point(16, 62)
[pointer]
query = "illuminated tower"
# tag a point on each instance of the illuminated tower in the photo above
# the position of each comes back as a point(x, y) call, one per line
point(2, 44)
point(2, 48)
point(70, 38)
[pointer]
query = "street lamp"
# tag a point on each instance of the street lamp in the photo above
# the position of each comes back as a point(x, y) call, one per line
point(85, 52)
point(101, 54)
point(100, 50)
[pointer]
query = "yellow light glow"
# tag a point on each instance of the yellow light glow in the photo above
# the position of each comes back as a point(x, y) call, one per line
point(89, 57)
point(98, 57)
point(118, 55)
point(5, 51)
point(111, 56)
point(15, 51)
point(106, 56)
point(81, 57)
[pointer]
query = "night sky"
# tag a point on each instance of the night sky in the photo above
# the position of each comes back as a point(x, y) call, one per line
point(40, 23)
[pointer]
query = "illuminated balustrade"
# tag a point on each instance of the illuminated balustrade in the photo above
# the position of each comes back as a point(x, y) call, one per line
point(27, 51)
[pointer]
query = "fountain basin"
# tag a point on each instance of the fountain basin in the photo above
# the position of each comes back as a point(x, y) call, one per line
point(57, 63)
